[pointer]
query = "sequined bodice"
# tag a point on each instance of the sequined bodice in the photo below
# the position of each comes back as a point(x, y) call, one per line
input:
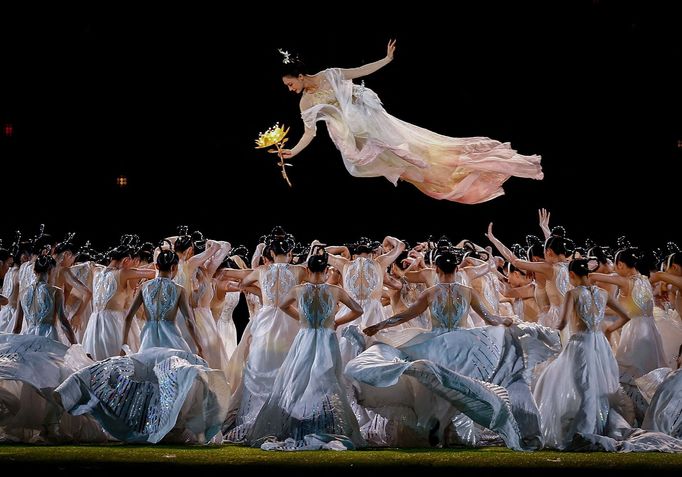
point(640, 302)
point(317, 305)
point(276, 281)
point(590, 305)
point(448, 306)
point(324, 96)
point(160, 297)
point(38, 305)
point(230, 303)
point(106, 288)
point(363, 279)
point(557, 287)
point(253, 303)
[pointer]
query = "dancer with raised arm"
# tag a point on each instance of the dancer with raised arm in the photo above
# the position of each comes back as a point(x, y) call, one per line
point(373, 143)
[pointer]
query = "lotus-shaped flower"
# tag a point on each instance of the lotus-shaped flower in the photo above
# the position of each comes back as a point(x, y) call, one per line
point(275, 136)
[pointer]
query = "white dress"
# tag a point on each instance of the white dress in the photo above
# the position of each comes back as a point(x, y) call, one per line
point(261, 352)
point(226, 328)
point(205, 326)
point(308, 408)
point(10, 290)
point(669, 326)
point(85, 273)
point(662, 387)
point(640, 349)
point(160, 298)
point(373, 143)
point(103, 337)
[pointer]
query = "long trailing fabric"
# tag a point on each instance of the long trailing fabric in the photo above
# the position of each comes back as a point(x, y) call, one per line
point(31, 367)
point(144, 396)
point(373, 143)
point(308, 397)
point(483, 373)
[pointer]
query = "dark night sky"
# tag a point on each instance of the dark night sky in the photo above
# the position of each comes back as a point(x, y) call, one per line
point(591, 87)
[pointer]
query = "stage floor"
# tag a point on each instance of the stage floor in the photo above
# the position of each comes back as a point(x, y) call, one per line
point(115, 459)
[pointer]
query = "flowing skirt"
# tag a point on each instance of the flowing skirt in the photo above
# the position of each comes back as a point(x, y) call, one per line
point(308, 399)
point(103, 337)
point(482, 372)
point(254, 365)
point(144, 396)
point(575, 391)
point(31, 367)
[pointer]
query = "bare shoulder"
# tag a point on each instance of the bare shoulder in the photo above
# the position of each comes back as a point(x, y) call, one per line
point(306, 101)
point(337, 290)
point(571, 294)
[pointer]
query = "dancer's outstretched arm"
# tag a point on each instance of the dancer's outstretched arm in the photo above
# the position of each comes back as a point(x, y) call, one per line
point(369, 68)
point(537, 267)
point(417, 308)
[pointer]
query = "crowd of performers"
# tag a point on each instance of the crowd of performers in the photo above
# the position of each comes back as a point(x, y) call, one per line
point(549, 345)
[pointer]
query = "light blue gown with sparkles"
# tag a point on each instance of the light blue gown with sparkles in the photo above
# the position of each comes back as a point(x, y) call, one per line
point(308, 408)
point(579, 396)
point(479, 372)
point(160, 297)
point(38, 303)
point(155, 394)
point(32, 365)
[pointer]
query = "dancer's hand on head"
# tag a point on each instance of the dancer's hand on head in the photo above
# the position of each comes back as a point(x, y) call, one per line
point(286, 153)
point(390, 49)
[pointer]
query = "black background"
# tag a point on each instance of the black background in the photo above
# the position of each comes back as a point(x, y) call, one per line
point(591, 86)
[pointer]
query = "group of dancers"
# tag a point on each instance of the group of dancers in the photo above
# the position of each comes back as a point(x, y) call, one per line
point(366, 344)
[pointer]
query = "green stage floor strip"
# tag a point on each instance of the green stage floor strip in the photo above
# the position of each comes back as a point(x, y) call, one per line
point(230, 455)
